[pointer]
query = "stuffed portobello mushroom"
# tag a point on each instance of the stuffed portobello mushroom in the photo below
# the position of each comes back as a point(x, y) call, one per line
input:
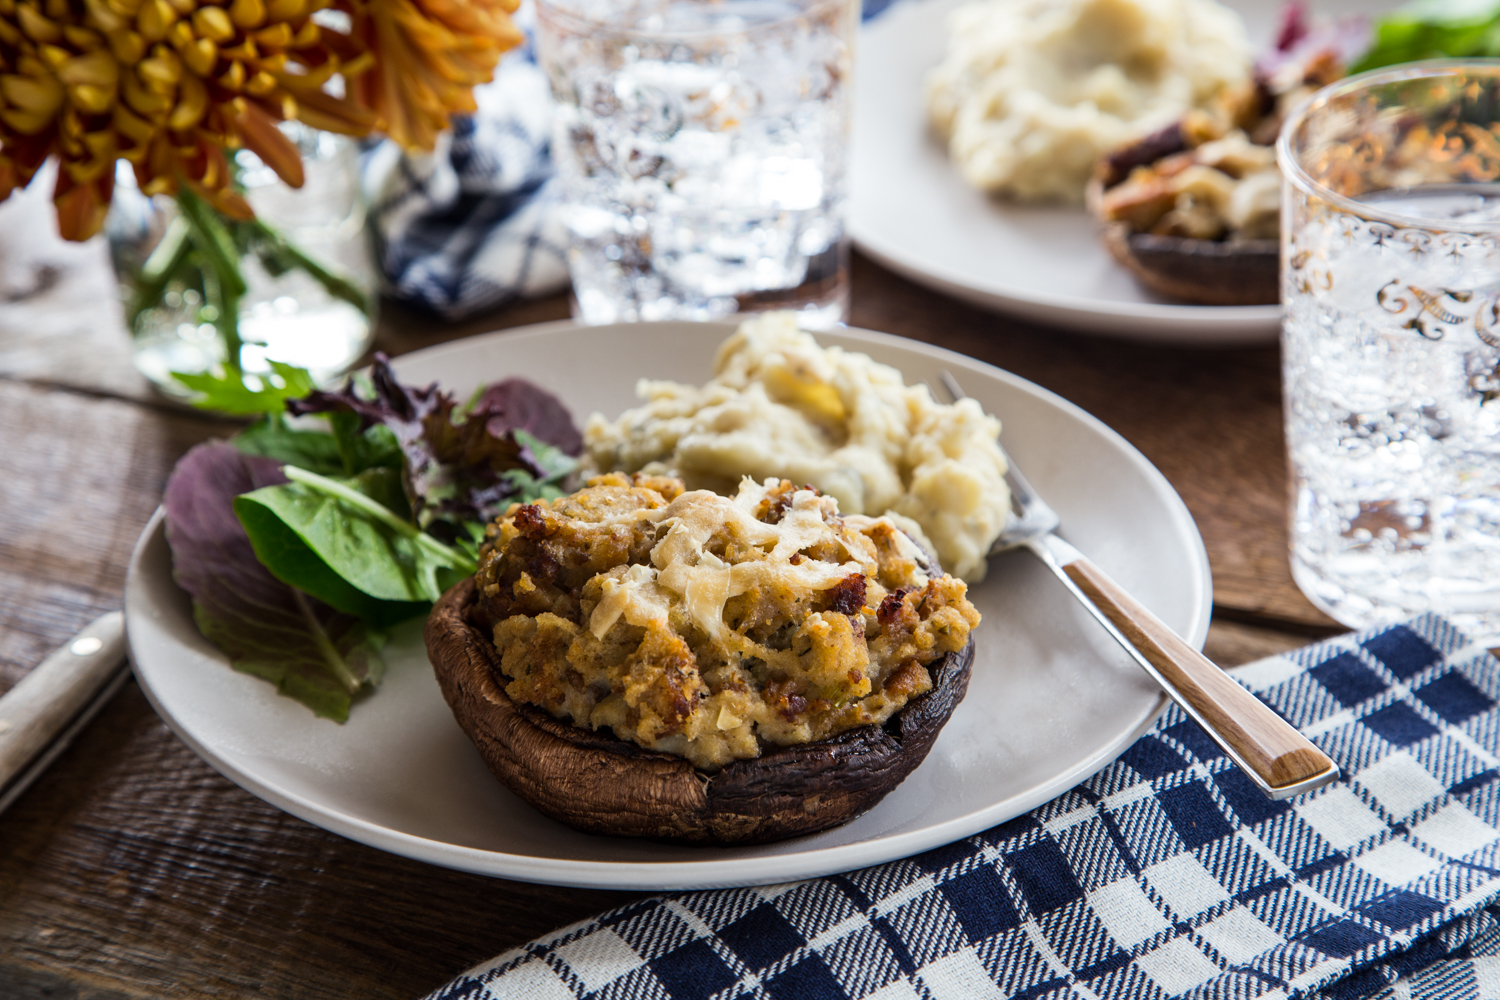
point(641, 660)
point(1193, 210)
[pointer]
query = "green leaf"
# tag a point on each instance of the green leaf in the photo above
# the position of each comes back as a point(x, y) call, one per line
point(373, 447)
point(1428, 29)
point(337, 539)
point(469, 543)
point(554, 464)
point(550, 459)
point(270, 437)
point(230, 392)
point(314, 667)
point(288, 557)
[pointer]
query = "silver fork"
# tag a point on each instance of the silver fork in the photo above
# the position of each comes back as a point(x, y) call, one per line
point(1280, 760)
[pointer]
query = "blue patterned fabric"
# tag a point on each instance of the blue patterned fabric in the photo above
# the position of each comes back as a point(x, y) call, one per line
point(474, 224)
point(1166, 875)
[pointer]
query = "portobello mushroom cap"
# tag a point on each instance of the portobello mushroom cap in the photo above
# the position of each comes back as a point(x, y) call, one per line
point(1200, 272)
point(1204, 272)
point(590, 780)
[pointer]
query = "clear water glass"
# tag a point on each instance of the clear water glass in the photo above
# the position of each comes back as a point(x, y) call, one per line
point(1391, 344)
point(701, 150)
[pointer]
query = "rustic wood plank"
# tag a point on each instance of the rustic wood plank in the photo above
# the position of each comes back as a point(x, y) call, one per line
point(1232, 643)
point(402, 328)
point(60, 319)
point(79, 477)
point(133, 868)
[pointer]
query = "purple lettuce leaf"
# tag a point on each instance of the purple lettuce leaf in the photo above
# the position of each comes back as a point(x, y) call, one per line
point(311, 652)
point(518, 405)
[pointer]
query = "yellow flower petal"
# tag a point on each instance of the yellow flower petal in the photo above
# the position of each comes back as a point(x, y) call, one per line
point(261, 136)
point(214, 24)
point(97, 69)
point(192, 102)
point(92, 99)
point(248, 13)
point(36, 26)
point(155, 18)
point(38, 95)
point(201, 56)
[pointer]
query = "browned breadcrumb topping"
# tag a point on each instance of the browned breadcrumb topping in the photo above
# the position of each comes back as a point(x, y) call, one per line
point(709, 626)
point(1212, 175)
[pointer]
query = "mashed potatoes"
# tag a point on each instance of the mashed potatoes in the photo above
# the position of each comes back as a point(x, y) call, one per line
point(779, 406)
point(1033, 91)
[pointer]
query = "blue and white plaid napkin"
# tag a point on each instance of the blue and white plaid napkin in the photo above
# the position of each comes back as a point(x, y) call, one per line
point(474, 224)
point(1165, 875)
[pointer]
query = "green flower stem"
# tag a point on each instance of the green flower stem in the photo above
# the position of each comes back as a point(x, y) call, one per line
point(216, 246)
point(337, 287)
point(454, 558)
point(166, 260)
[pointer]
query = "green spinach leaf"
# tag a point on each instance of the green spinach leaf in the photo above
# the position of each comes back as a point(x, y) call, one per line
point(338, 539)
point(373, 447)
point(270, 437)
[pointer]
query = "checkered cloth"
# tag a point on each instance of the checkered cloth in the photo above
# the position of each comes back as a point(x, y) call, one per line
point(475, 223)
point(1167, 874)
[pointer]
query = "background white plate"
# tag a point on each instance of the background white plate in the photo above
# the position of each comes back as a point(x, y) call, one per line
point(910, 209)
point(1051, 699)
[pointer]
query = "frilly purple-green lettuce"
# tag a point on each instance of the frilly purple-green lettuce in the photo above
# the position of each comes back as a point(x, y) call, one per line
point(300, 544)
point(513, 441)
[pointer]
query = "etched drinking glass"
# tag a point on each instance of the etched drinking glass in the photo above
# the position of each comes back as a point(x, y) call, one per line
point(1391, 344)
point(701, 151)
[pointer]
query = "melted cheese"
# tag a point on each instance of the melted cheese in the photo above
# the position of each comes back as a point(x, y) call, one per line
point(633, 595)
point(683, 568)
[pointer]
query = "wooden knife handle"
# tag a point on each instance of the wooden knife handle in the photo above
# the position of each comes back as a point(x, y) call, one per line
point(39, 707)
point(1280, 755)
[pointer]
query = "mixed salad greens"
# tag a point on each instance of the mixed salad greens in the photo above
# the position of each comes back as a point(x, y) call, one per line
point(302, 540)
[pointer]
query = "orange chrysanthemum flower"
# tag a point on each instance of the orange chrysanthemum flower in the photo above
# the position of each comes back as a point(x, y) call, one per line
point(169, 85)
point(429, 56)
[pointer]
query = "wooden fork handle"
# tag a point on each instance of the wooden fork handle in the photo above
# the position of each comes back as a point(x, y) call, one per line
point(1258, 738)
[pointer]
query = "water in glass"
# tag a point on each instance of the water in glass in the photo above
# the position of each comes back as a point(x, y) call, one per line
point(1392, 364)
point(701, 151)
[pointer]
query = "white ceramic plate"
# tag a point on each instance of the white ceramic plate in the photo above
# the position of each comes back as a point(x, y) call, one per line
point(911, 210)
point(1050, 702)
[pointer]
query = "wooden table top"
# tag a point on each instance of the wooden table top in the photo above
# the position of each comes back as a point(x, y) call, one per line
point(132, 869)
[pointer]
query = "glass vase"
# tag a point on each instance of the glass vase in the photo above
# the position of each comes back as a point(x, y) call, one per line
point(306, 288)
